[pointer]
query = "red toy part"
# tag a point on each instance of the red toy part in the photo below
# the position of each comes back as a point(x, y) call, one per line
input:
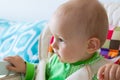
point(118, 61)
point(52, 39)
point(50, 49)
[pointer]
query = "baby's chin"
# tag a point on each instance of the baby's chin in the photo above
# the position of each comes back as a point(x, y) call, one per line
point(66, 61)
point(61, 60)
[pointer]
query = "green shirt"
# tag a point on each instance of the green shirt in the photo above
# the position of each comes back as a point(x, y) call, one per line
point(56, 70)
point(30, 71)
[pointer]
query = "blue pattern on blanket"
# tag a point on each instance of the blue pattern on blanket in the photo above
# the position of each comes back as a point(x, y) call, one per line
point(20, 38)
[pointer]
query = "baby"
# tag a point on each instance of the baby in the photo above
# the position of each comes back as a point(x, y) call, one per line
point(79, 28)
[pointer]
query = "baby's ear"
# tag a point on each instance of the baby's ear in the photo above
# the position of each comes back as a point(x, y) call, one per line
point(93, 45)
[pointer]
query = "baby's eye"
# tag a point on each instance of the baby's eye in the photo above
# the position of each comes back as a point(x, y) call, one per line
point(60, 39)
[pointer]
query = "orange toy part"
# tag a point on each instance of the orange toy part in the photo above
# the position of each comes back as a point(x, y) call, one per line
point(113, 53)
point(50, 49)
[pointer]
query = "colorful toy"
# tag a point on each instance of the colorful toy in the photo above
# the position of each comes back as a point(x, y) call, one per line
point(113, 53)
point(50, 49)
point(111, 47)
point(118, 61)
point(109, 53)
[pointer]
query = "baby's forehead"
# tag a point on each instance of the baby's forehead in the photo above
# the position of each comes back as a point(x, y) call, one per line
point(77, 11)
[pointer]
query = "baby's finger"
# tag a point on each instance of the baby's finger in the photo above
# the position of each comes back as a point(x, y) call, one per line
point(118, 74)
point(107, 70)
point(11, 59)
point(101, 72)
point(11, 68)
point(112, 72)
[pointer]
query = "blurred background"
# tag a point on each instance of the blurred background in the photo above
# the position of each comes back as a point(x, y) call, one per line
point(31, 10)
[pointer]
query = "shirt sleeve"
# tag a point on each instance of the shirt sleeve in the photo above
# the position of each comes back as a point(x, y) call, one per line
point(30, 71)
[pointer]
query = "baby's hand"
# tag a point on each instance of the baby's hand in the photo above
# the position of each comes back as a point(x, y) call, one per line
point(109, 72)
point(17, 64)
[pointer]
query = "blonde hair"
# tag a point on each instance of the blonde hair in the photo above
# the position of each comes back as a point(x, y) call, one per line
point(97, 24)
point(88, 14)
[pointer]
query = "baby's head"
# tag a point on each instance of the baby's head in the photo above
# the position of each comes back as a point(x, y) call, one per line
point(79, 28)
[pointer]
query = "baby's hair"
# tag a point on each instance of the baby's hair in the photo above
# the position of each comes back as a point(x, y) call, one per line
point(92, 15)
point(88, 15)
point(97, 24)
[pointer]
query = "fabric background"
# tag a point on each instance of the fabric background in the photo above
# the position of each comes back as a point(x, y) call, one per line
point(20, 38)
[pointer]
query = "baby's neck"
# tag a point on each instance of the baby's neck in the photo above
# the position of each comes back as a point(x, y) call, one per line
point(93, 58)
